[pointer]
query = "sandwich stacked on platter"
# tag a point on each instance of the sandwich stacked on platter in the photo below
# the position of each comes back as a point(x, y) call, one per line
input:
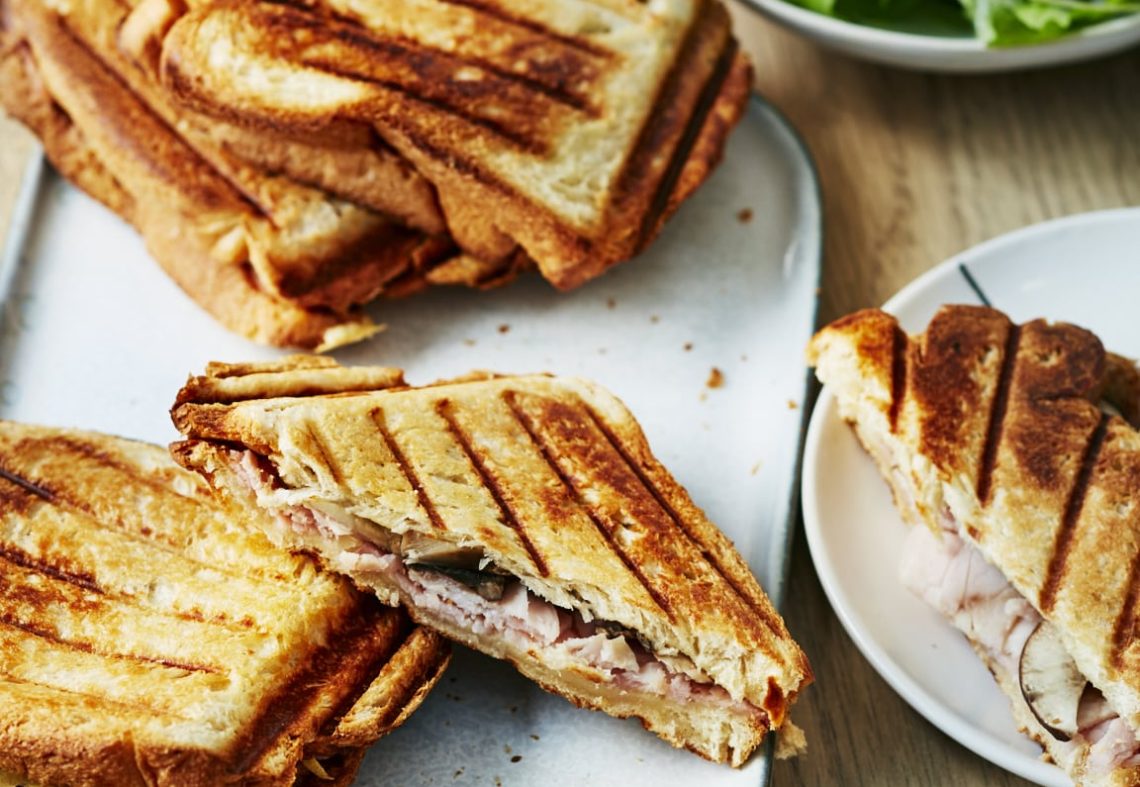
point(149, 636)
point(286, 163)
point(1014, 448)
point(522, 516)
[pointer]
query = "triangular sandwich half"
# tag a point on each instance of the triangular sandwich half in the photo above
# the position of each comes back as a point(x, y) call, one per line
point(996, 437)
point(148, 636)
point(522, 516)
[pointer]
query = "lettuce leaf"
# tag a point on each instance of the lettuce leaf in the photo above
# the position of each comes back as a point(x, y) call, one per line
point(995, 22)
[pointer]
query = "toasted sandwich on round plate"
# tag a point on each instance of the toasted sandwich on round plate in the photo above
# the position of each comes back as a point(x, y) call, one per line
point(523, 516)
point(148, 636)
point(1014, 450)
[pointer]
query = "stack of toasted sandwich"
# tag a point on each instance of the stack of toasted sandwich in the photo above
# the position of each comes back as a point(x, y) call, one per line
point(288, 162)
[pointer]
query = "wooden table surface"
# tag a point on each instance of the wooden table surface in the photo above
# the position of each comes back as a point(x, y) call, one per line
point(914, 168)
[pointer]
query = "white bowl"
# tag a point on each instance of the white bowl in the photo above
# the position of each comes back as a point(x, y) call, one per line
point(954, 54)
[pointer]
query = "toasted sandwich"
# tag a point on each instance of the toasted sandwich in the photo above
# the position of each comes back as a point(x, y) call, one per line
point(524, 517)
point(564, 130)
point(997, 439)
point(149, 636)
point(277, 260)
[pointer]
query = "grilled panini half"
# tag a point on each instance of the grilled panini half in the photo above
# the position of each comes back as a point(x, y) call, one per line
point(993, 436)
point(522, 516)
point(567, 131)
point(149, 636)
point(274, 259)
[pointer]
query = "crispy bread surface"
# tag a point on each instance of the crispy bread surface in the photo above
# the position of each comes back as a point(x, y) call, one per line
point(998, 425)
point(150, 637)
point(553, 478)
point(577, 127)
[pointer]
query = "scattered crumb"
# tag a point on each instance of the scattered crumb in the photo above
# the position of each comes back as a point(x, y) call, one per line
point(458, 773)
point(688, 346)
point(514, 709)
point(744, 216)
point(610, 303)
point(704, 395)
point(507, 748)
point(716, 378)
point(792, 404)
point(516, 758)
point(452, 680)
point(469, 342)
point(653, 318)
point(756, 467)
point(601, 351)
point(533, 737)
point(498, 782)
point(504, 328)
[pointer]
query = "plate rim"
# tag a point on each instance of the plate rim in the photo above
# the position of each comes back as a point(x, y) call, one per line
point(916, 46)
point(825, 415)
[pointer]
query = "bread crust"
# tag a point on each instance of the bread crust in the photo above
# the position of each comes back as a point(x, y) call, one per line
point(668, 138)
point(552, 477)
point(117, 672)
point(999, 427)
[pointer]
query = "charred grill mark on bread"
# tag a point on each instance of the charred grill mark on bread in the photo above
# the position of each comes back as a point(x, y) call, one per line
point(1055, 574)
point(47, 634)
point(659, 126)
point(998, 409)
point(73, 575)
point(491, 481)
point(898, 376)
point(26, 485)
point(489, 8)
point(550, 455)
point(325, 455)
point(406, 468)
point(759, 610)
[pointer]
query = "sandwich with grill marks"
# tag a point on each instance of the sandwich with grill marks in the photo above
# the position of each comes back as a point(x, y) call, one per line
point(566, 131)
point(1006, 444)
point(523, 516)
point(273, 258)
point(148, 636)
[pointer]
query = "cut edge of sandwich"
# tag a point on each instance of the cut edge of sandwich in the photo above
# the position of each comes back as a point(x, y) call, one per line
point(571, 642)
point(863, 359)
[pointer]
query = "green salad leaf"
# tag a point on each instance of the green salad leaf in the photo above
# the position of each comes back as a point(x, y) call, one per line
point(995, 22)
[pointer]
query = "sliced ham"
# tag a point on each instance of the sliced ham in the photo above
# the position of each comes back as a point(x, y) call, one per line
point(950, 574)
point(520, 618)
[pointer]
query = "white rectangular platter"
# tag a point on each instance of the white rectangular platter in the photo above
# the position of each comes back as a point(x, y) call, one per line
point(96, 337)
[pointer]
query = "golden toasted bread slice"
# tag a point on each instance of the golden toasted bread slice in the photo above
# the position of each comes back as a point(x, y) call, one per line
point(148, 635)
point(275, 260)
point(522, 516)
point(991, 435)
point(567, 129)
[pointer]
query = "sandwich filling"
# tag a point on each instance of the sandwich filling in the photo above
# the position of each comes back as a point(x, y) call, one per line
point(462, 586)
point(948, 572)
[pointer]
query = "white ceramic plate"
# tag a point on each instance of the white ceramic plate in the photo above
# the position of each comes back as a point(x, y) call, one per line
point(1083, 270)
point(95, 336)
point(959, 54)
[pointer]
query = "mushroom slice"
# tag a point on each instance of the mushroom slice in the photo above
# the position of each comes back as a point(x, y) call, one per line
point(1051, 683)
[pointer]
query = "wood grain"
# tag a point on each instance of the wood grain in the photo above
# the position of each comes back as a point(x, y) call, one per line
point(914, 168)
